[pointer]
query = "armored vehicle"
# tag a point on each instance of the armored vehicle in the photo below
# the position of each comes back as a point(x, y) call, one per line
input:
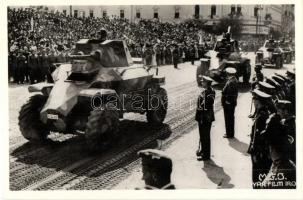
point(226, 53)
point(91, 93)
point(270, 54)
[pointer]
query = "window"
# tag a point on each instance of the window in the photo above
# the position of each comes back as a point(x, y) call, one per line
point(156, 14)
point(138, 14)
point(75, 13)
point(91, 13)
point(64, 12)
point(197, 11)
point(177, 15)
point(239, 10)
point(104, 13)
point(233, 9)
point(255, 11)
point(121, 14)
point(213, 11)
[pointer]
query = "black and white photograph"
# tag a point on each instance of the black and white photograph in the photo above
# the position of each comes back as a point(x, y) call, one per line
point(152, 97)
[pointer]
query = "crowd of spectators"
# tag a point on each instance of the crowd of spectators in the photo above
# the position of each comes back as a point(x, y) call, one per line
point(49, 37)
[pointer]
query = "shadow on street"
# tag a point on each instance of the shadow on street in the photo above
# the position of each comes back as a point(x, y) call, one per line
point(217, 175)
point(59, 154)
point(238, 146)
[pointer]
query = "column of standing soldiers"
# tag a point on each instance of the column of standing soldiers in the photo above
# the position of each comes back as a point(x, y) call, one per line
point(273, 134)
point(32, 66)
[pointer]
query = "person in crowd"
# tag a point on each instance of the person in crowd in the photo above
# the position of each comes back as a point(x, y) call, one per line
point(258, 76)
point(279, 143)
point(20, 69)
point(156, 169)
point(229, 101)
point(205, 117)
point(33, 66)
point(192, 54)
point(176, 56)
point(258, 149)
point(291, 89)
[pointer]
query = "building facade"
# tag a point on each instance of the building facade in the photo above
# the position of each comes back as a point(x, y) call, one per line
point(257, 19)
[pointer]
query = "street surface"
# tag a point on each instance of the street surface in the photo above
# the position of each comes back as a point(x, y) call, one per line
point(64, 163)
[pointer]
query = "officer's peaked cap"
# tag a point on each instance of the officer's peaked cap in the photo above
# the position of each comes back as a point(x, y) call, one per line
point(283, 104)
point(156, 160)
point(278, 79)
point(231, 70)
point(261, 94)
point(207, 79)
point(290, 72)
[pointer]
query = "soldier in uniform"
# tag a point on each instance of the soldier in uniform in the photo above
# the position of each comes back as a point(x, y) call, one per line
point(291, 89)
point(268, 89)
point(258, 76)
point(175, 56)
point(156, 168)
point(52, 67)
point(257, 148)
point(279, 142)
point(192, 54)
point(45, 64)
point(40, 75)
point(148, 53)
point(205, 117)
point(102, 35)
point(229, 102)
point(279, 94)
point(20, 70)
point(33, 65)
point(14, 66)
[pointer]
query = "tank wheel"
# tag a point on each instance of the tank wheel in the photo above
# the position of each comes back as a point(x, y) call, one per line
point(102, 127)
point(247, 73)
point(31, 127)
point(157, 107)
point(279, 62)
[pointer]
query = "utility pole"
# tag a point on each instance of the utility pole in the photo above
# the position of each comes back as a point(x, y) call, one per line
point(131, 13)
point(258, 8)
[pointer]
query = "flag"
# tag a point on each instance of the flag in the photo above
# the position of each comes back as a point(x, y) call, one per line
point(32, 24)
point(200, 38)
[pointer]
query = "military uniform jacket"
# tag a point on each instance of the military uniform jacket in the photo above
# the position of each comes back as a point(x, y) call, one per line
point(176, 53)
point(257, 78)
point(205, 106)
point(230, 92)
point(33, 61)
point(257, 144)
point(277, 138)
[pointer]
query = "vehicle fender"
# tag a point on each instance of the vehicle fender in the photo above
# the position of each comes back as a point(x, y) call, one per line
point(158, 80)
point(92, 92)
point(41, 87)
point(98, 97)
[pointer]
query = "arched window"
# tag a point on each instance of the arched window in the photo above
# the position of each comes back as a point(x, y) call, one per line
point(122, 14)
point(213, 11)
point(177, 12)
point(197, 11)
